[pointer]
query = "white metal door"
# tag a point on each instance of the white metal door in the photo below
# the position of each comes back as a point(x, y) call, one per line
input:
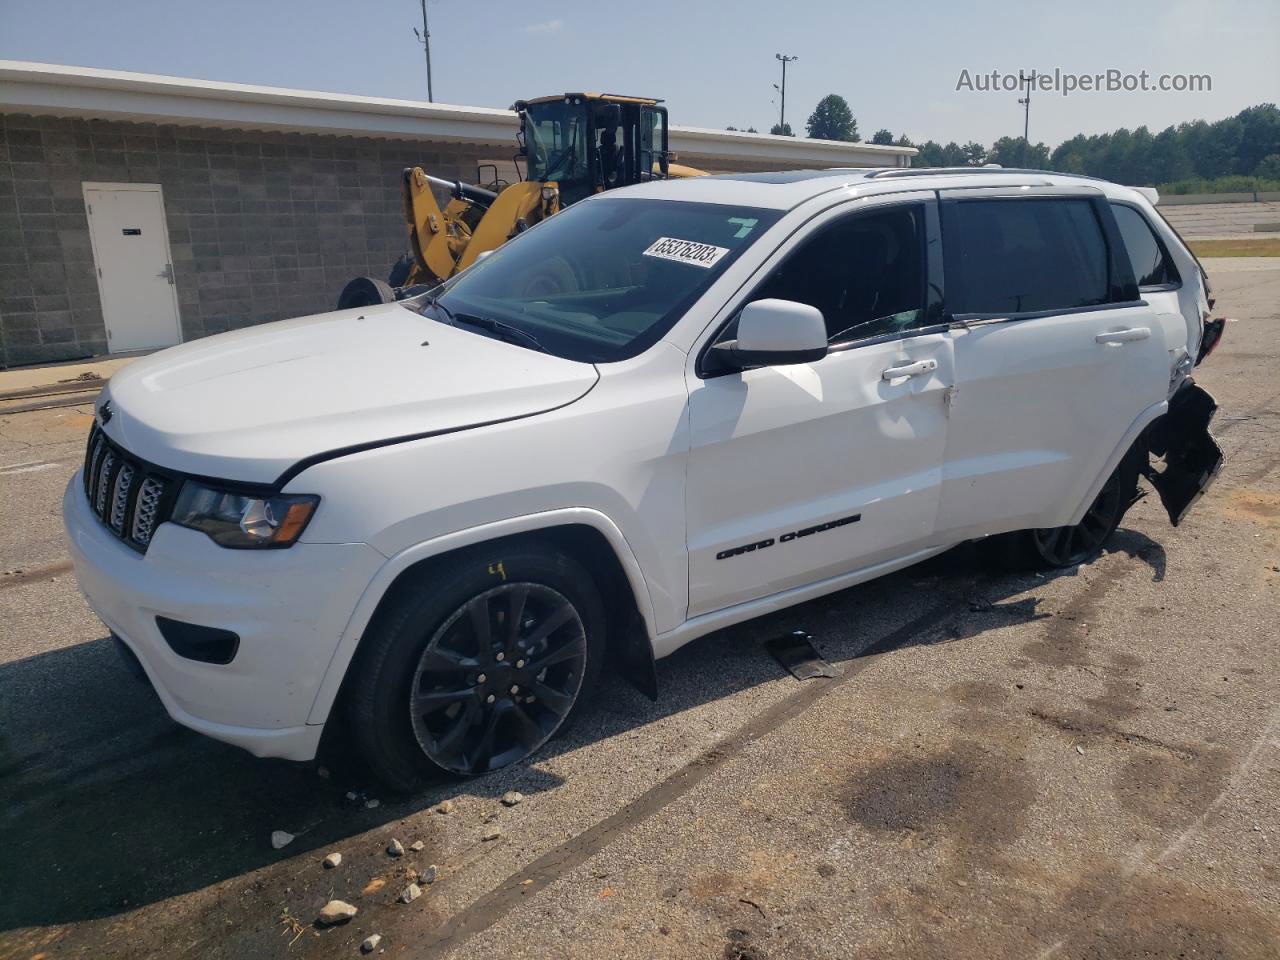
point(135, 270)
point(801, 473)
point(1041, 404)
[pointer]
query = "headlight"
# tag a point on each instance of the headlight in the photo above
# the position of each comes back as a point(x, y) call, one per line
point(243, 522)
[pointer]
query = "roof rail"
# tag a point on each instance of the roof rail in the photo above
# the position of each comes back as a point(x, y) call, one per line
point(990, 168)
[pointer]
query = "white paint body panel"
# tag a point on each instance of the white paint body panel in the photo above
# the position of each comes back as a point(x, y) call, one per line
point(469, 439)
point(135, 273)
point(1040, 405)
point(777, 450)
point(249, 404)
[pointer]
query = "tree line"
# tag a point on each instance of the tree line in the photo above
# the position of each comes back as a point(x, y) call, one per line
point(1244, 145)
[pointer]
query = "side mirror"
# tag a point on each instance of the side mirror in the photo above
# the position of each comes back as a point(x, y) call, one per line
point(775, 333)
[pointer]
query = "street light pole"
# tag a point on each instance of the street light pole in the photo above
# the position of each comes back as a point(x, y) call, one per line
point(1026, 114)
point(782, 112)
point(426, 46)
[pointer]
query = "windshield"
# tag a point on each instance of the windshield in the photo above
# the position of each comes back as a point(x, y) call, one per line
point(605, 279)
point(556, 137)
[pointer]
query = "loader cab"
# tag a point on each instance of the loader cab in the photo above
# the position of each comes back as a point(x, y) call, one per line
point(587, 143)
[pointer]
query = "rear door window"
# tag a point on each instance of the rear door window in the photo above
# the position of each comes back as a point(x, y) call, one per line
point(1024, 255)
point(1151, 264)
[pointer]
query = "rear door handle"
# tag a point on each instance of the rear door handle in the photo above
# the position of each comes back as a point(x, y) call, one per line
point(1124, 336)
point(910, 370)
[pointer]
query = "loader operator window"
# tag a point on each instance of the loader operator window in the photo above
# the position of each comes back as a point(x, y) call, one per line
point(604, 279)
point(557, 141)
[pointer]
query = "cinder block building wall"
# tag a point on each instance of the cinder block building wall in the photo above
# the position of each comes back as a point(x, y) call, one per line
point(262, 226)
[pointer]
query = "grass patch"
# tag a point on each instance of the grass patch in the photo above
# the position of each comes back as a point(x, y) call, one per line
point(1262, 247)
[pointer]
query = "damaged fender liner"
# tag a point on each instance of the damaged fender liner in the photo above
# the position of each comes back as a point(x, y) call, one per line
point(1192, 458)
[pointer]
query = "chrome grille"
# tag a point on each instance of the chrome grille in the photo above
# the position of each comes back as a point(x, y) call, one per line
point(120, 497)
point(144, 512)
point(128, 495)
point(104, 480)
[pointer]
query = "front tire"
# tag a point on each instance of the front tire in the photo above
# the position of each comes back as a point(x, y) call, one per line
point(476, 664)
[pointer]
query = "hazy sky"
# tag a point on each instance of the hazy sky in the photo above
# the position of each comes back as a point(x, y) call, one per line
point(896, 63)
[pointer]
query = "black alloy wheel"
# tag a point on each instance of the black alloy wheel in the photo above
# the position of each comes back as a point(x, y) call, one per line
point(498, 678)
point(1068, 546)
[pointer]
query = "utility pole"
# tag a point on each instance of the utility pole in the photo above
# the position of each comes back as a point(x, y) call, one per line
point(1026, 113)
point(425, 39)
point(782, 112)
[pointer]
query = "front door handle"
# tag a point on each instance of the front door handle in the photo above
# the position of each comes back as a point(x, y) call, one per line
point(910, 370)
point(1124, 336)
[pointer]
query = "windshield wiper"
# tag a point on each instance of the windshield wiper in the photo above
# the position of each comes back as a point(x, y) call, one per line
point(446, 315)
point(503, 331)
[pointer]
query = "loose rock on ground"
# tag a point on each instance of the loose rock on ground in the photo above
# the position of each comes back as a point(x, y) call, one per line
point(336, 911)
point(281, 838)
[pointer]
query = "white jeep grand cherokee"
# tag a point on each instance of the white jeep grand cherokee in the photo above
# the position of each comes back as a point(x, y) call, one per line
point(666, 410)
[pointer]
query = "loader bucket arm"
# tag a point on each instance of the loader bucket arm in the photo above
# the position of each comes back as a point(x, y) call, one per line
point(430, 229)
point(519, 206)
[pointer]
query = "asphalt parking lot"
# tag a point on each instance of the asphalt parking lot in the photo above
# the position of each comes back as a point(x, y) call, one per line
point(1076, 765)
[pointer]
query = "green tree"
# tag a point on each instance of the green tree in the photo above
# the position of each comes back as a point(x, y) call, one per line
point(781, 130)
point(882, 136)
point(930, 155)
point(1261, 135)
point(1268, 167)
point(974, 154)
point(1014, 152)
point(1168, 157)
point(832, 120)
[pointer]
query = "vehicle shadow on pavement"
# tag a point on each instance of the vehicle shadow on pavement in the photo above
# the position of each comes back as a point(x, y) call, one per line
point(107, 805)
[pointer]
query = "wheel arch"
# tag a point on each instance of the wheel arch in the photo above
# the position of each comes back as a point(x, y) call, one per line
point(1131, 437)
point(584, 533)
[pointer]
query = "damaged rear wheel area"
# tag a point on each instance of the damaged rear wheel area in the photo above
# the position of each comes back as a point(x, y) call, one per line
point(1182, 458)
point(1176, 454)
point(1059, 547)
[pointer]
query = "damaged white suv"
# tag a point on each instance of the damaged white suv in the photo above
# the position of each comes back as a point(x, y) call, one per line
point(666, 410)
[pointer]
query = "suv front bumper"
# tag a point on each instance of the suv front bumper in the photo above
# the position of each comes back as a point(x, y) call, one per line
point(289, 608)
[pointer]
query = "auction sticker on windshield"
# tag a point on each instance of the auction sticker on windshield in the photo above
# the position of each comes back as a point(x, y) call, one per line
point(686, 251)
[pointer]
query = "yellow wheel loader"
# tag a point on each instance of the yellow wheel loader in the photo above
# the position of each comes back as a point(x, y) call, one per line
point(572, 145)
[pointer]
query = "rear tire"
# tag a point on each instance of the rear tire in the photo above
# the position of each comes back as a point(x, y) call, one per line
point(1056, 548)
point(475, 664)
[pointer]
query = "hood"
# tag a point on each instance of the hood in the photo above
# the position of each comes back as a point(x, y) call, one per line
point(248, 405)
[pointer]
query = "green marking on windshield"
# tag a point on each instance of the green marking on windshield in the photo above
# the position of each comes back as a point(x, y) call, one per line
point(745, 226)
